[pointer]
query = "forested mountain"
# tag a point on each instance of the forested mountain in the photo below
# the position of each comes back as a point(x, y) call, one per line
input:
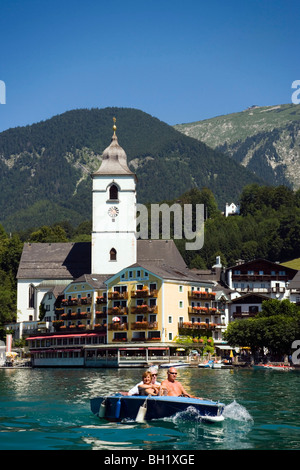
point(266, 140)
point(45, 167)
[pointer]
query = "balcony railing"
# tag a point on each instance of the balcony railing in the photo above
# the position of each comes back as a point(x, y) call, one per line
point(204, 310)
point(143, 293)
point(245, 314)
point(144, 325)
point(115, 295)
point(196, 326)
point(100, 327)
point(75, 316)
point(117, 326)
point(144, 309)
point(100, 313)
point(101, 300)
point(118, 311)
point(76, 301)
point(196, 294)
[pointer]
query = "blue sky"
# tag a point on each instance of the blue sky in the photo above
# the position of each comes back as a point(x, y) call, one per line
point(180, 61)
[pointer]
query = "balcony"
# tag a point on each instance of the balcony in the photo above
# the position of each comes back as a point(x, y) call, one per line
point(115, 295)
point(245, 314)
point(75, 328)
point(100, 314)
point(144, 293)
point(144, 309)
point(257, 290)
point(76, 301)
point(117, 326)
point(118, 311)
point(202, 295)
point(99, 327)
point(203, 310)
point(75, 316)
point(144, 325)
point(189, 327)
point(123, 339)
point(101, 300)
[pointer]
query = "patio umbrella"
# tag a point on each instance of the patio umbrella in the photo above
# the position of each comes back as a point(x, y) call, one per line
point(116, 319)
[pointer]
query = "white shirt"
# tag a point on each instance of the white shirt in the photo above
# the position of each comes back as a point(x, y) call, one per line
point(135, 389)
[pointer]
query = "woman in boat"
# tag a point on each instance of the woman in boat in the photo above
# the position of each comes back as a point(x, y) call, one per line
point(153, 372)
point(147, 388)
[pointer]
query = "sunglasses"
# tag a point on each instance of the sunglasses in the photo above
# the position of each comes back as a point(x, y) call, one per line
point(173, 373)
point(154, 375)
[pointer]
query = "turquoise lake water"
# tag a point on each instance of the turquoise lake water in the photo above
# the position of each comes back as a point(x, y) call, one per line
point(49, 409)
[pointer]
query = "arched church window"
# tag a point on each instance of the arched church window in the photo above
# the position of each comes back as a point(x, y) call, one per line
point(31, 303)
point(113, 192)
point(113, 255)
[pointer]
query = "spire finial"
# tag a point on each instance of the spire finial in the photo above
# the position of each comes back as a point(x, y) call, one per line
point(114, 126)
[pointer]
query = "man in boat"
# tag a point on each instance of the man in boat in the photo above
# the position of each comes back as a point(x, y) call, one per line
point(173, 387)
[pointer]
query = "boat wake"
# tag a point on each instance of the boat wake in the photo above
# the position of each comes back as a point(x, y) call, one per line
point(237, 412)
point(190, 414)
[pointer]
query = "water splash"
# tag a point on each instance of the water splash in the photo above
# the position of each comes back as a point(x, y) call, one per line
point(237, 412)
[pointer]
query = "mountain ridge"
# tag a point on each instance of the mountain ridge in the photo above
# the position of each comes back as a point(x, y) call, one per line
point(45, 167)
point(264, 139)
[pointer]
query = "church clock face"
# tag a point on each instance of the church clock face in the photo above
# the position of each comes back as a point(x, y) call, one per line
point(113, 212)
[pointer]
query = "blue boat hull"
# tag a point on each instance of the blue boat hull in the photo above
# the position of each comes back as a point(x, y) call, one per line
point(118, 407)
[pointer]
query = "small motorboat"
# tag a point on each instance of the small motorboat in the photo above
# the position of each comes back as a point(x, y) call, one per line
point(174, 364)
point(140, 409)
point(206, 365)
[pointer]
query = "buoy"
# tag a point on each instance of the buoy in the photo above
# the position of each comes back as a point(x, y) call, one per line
point(102, 409)
point(118, 409)
point(140, 417)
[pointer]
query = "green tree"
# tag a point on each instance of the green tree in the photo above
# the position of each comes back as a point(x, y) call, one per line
point(275, 327)
point(47, 234)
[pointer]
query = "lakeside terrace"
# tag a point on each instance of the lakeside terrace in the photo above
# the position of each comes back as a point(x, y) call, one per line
point(88, 350)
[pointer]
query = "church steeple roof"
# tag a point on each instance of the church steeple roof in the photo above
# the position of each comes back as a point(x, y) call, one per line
point(114, 158)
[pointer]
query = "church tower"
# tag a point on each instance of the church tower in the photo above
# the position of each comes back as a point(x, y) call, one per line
point(114, 212)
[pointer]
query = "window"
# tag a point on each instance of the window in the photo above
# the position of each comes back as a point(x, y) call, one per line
point(180, 288)
point(113, 192)
point(253, 308)
point(170, 319)
point(113, 255)
point(170, 336)
point(31, 297)
point(250, 273)
point(180, 304)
